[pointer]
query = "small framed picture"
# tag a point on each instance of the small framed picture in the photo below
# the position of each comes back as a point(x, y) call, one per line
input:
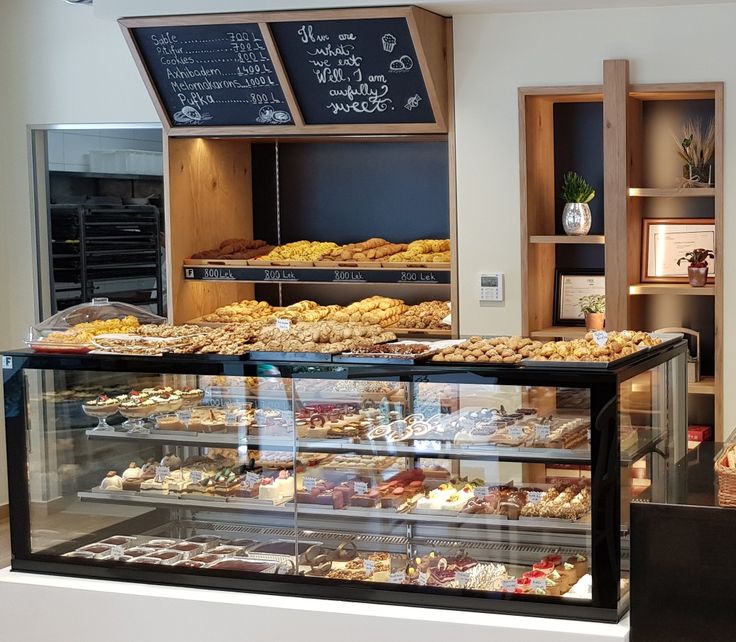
point(570, 286)
point(665, 240)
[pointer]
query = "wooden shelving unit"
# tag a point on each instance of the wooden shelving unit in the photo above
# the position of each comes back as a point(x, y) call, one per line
point(561, 331)
point(640, 172)
point(706, 386)
point(682, 289)
point(673, 192)
point(592, 239)
point(540, 223)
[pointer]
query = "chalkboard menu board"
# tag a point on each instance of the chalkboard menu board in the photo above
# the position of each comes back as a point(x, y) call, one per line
point(209, 75)
point(354, 71)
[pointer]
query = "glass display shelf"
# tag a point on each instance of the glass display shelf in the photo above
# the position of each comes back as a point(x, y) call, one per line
point(481, 488)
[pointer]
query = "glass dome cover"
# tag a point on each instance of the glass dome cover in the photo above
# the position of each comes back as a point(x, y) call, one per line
point(76, 325)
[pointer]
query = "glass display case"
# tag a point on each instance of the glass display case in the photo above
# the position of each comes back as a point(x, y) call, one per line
point(490, 488)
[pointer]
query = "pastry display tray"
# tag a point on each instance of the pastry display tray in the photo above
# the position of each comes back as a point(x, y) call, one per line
point(289, 356)
point(666, 338)
point(426, 449)
point(379, 358)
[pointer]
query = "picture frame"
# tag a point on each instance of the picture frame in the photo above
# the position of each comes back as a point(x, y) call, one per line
point(664, 240)
point(570, 285)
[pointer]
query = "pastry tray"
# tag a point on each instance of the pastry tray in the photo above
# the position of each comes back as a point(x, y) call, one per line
point(289, 356)
point(666, 338)
point(59, 348)
point(379, 358)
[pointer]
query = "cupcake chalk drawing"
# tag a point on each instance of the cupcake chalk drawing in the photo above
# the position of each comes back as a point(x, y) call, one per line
point(389, 42)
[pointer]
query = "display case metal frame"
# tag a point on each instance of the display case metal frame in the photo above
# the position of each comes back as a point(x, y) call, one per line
point(606, 461)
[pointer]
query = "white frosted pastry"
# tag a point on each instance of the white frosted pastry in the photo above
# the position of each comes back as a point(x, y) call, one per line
point(269, 492)
point(112, 481)
point(132, 471)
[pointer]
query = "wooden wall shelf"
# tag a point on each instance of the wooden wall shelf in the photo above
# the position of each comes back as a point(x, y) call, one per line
point(706, 386)
point(564, 332)
point(673, 192)
point(592, 239)
point(633, 137)
point(683, 289)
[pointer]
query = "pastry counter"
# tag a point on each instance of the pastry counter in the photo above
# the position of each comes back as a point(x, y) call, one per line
point(481, 486)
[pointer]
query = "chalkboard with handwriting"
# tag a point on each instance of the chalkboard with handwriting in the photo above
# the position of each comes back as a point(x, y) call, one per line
point(213, 75)
point(354, 71)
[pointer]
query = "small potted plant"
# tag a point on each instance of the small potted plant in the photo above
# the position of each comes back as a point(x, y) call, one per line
point(697, 270)
point(593, 307)
point(577, 193)
point(697, 148)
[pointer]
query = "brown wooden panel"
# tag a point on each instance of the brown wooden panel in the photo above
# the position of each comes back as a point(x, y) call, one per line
point(719, 249)
point(209, 199)
point(452, 166)
point(634, 154)
point(431, 37)
point(615, 163)
point(536, 133)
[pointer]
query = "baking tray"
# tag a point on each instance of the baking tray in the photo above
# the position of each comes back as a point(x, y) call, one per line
point(325, 357)
point(666, 337)
point(381, 358)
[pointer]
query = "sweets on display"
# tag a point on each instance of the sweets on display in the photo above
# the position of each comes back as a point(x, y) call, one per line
point(236, 249)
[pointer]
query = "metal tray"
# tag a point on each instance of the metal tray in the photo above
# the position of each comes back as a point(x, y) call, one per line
point(667, 338)
point(325, 357)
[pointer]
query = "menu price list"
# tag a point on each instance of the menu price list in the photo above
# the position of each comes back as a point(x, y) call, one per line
point(210, 75)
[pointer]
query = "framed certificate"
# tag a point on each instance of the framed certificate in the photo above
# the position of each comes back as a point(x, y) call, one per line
point(665, 240)
point(572, 285)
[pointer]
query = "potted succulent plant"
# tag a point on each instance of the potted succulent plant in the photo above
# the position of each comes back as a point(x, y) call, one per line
point(593, 307)
point(697, 270)
point(577, 193)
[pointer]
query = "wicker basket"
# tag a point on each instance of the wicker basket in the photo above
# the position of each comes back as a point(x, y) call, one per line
point(726, 479)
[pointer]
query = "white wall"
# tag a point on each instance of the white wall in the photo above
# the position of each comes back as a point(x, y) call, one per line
point(66, 67)
point(70, 67)
point(496, 54)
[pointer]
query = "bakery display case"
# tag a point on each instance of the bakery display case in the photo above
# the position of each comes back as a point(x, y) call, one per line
point(486, 486)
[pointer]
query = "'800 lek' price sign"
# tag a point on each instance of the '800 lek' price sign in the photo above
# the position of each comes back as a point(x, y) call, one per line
point(317, 275)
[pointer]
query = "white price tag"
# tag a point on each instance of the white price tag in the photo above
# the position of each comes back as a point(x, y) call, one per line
point(369, 566)
point(396, 577)
point(231, 418)
point(361, 488)
point(508, 586)
point(480, 491)
point(283, 324)
point(462, 578)
point(515, 432)
point(196, 476)
point(252, 479)
point(539, 583)
point(600, 337)
point(422, 579)
point(162, 472)
point(116, 552)
point(588, 434)
point(534, 496)
point(309, 483)
point(542, 431)
point(184, 415)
